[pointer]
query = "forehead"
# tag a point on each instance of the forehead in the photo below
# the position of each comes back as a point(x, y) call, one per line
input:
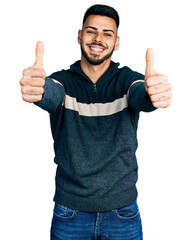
point(100, 22)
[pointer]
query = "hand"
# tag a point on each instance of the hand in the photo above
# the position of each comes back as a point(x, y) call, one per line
point(156, 85)
point(33, 78)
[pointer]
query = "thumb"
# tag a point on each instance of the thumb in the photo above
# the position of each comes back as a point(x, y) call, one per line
point(149, 71)
point(39, 55)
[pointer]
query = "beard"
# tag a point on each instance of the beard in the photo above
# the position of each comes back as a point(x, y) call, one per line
point(94, 61)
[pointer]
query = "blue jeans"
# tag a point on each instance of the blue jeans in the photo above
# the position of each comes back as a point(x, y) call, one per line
point(120, 224)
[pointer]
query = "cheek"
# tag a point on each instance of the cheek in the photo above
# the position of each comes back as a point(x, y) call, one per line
point(86, 39)
point(110, 41)
point(112, 44)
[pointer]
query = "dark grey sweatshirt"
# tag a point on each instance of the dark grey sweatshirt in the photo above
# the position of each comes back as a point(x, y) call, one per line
point(94, 127)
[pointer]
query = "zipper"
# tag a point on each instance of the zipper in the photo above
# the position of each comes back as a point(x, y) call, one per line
point(95, 90)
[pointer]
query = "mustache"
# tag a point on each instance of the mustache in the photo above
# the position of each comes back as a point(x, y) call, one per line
point(96, 44)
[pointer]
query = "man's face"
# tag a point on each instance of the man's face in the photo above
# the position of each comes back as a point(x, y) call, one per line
point(98, 39)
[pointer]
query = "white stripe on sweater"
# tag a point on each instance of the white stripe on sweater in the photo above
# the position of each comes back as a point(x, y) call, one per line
point(98, 109)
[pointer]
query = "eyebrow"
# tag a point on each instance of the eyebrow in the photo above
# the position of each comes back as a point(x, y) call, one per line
point(104, 30)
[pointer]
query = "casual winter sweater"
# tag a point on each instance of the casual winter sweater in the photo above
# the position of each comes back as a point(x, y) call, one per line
point(94, 127)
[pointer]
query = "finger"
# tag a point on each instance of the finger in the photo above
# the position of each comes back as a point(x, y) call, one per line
point(34, 72)
point(32, 90)
point(156, 80)
point(34, 82)
point(161, 96)
point(163, 104)
point(31, 98)
point(159, 89)
point(39, 55)
point(149, 71)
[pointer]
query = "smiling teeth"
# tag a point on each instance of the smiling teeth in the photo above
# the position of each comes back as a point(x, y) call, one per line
point(97, 49)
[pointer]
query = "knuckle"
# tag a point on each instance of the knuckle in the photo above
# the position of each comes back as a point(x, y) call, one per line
point(26, 80)
point(149, 91)
point(42, 82)
point(168, 87)
point(22, 90)
point(42, 73)
point(163, 79)
point(153, 98)
point(155, 104)
point(21, 81)
point(147, 83)
point(25, 72)
point(25, 98)
point(42, 90)
point(39, 97)
point(150, 81)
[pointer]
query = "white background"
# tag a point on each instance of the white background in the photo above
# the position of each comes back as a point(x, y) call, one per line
point(27, 170)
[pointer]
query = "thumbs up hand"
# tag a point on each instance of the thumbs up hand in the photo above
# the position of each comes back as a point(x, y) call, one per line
point(39, 55)
point(33, 78)
point(156, 85)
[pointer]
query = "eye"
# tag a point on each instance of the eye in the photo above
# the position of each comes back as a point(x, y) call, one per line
point(91, 32)
point(107, 34)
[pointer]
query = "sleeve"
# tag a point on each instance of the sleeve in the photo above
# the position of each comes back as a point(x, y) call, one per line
point(138, 99)
point(53, 96)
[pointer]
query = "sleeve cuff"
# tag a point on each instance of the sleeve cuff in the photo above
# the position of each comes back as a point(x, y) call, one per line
point(52, 97)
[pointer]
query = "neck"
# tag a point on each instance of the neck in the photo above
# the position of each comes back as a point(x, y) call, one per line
point(92, 71)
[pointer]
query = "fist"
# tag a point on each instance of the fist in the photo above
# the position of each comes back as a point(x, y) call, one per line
point(156, 85)
point(33, 78)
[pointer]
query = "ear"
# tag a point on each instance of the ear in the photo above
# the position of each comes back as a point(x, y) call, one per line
point(117, 43)
point(79, 36)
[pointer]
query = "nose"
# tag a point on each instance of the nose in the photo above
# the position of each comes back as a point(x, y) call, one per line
point(98, 37)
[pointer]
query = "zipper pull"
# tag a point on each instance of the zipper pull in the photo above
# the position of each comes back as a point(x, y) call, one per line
point(95, 88)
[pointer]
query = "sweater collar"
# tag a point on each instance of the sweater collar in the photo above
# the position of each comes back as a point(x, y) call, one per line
point(76, 67)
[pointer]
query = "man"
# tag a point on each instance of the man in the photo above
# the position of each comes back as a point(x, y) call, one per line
point(94, 110)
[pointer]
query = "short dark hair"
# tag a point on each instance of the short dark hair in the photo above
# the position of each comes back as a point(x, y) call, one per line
point(102, 10)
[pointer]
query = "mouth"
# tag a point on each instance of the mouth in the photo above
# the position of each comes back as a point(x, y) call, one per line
point(96, 49)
